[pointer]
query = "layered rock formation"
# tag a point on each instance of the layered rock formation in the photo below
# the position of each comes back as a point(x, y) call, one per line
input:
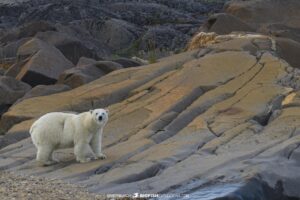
point(270, 17)
point(223, 114)
point(220, 115)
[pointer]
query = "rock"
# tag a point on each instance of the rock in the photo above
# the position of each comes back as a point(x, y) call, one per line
point(10, 50)
point(104, 28)
point(162, 38)
point(15, 68)
point(148, 13)
point(16, 133)
point(78, 76)
point(140, 60)
point(214, 108)
point(264, 17)
point(260, 11)
point(71, 47)
point(85, 61)
point(235, 41)
point(289, 50)
point(116, 34)
point(2, 71)
point(43, 90)
point(126, 62)
point(114, 87)
point(85, 73)
point(224, 24)
point(44, 66)
point(108, 66)
point(281, 31)
point(27, 30)
point(284, 48)
point(10, 91)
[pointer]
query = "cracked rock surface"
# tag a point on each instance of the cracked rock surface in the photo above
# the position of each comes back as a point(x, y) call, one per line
point(226, 113)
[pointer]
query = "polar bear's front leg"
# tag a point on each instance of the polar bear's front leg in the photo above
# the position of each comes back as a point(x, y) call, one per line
point(83, 152)
point(96, 143)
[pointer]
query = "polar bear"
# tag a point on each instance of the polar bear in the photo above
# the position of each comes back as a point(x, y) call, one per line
point(59, 130)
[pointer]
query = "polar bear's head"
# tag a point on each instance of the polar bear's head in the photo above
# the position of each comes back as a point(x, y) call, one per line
point(100, 116)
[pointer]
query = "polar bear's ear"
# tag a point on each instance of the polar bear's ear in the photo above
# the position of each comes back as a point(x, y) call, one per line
point(91, 111)
point(106, 110)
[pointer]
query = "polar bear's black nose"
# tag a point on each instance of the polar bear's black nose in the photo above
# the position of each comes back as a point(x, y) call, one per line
point(100, 118)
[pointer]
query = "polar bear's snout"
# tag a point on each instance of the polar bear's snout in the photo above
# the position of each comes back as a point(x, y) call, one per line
point(100, 115)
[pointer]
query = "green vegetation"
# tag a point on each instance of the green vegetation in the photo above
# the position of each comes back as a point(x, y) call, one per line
point(151, 52)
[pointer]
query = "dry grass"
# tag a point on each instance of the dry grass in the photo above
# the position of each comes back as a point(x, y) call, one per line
point(201, 39)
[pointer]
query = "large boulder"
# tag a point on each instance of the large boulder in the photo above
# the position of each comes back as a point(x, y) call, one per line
point(85, 73)
point(10, 50)
point(85, 61)
point(259, 12)
point(264, 18)
point(44, 90)
point(71, 47)
point(78, 76)
point(276, 17)
point(40, 63)
point(115, 33)
point(289, 50)
point(27, 30)
point(10, 91)
point(284, 48)
point(224, 24)
point(126, 62)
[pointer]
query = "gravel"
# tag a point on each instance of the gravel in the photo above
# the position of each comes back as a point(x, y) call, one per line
point(34, 188)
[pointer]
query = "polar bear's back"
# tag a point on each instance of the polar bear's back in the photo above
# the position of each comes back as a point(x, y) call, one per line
point(50, 129)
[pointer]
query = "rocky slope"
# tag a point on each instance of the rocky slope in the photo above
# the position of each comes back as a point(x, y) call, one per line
point(104, 28)
point(224, 114)
point(221, 115)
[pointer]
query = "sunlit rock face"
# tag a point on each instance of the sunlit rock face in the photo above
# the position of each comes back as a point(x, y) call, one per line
point(220, 113)
point(217, 121)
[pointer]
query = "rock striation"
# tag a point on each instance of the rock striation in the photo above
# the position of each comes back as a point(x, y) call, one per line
point(218, 116)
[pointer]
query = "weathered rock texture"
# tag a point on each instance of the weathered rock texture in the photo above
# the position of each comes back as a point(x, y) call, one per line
point(100, 28)
point(10, 91)
point(38, 63)
point(213, 115)
point(278, 18)
point(83, 74)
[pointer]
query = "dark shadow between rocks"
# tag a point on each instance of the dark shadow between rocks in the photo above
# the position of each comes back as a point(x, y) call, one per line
point(257, 189)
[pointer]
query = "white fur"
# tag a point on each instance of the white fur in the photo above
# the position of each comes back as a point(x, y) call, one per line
point(59, 130)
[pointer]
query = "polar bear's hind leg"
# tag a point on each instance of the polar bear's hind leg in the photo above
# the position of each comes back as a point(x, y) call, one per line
point(44, 155)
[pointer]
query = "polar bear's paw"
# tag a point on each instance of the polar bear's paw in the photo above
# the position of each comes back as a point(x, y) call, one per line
point(83, 160)
point(48, 162)
point(86, 159)
point(101, 156)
